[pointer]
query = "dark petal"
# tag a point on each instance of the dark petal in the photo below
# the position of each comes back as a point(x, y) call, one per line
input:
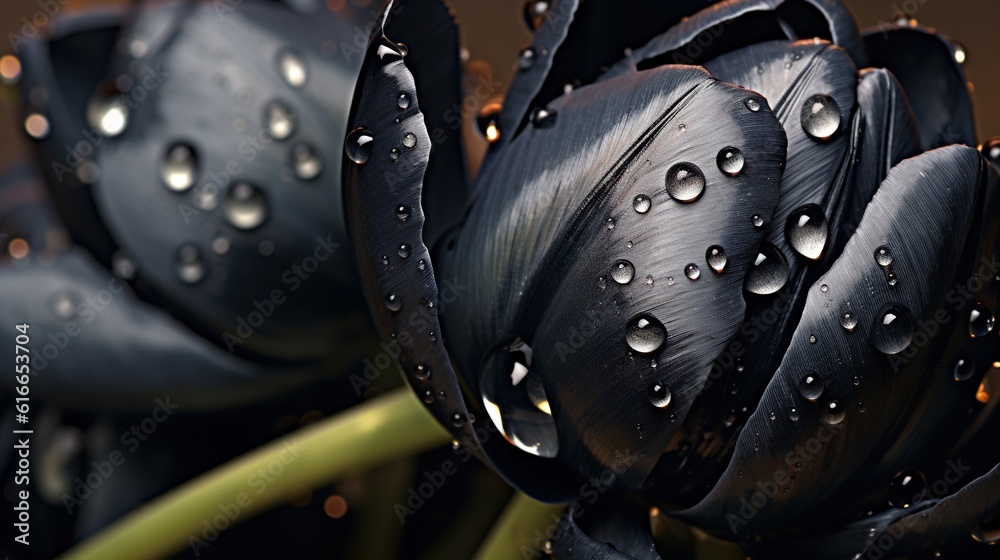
point(128, 353)
point(889, 135)
point(576, 42)
point(432, 42)
point(540, 250)
point(60, 73)
point(885, 404)
point(396, 271)
point(924, 63)
point(256, 202)
point(610, 529)
point(816, 173)
point(728, 26)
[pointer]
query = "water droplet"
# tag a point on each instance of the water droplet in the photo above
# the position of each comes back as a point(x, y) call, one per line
point(883, 256)
point(848, 321)
point(659, 394)
point(392, 302)
point(692, 271)
point(768, 273)
point(649, 279)
point(403, 251)
point(682, 128)
point(245, 206)
point(893, 330)
point(403, 101)
point(824, 288)
point(421, 264)
point(179, 167)
point(757, 220)
point(306, 162)
point(602, 282)
point(906, 488)
point(986, 533)
point(812, 339)
point(515, 400)
point(526, 58)
point(641, 203)
point(107, 112)
point(981, 320)
point(811, 386)
point(793, 414)
point(716, 257)
point(409, 140)
point(670, 280)
point(422, 372)
point(358, 145)
point(280, 120)
point(534, 13)
point(190, 267)
point(458, 420)
point(806, 230)
point(428, 396)
point(394, 154)
point(628, 245)
point(385, 259)
point(543, 118)
point(730, 161)
point(685, 182)
point(292, 68)
point(992, 151)
point(403, 212)
point(622, 271)
point(645, 333)
point(820, 116)
point(609, 223)
point(752, 104)
point(833, 413)
point(964, 369)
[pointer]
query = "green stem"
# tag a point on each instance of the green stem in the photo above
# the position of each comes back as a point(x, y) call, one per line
point(385, 428)
point(523, 523)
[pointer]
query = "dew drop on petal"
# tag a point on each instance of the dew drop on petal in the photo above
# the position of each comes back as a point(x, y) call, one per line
point(981, 320)
point(906, 487)
point(833, 413)
point(820, 116)
point(692, 271)
point(769, 272)
point(730, 161)
point(179, 167)
point(806, 230)
point(810, 386)
point(641, 203)
point(685, 182)
point(358, 145)
point(645, 333)
point(622, 271)
point(964, 369)
point(659, 394)
point(245, 206)
point(716, 257)
point(893, 330)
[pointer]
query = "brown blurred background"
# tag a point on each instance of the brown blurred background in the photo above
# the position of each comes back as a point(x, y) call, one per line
point(493, 31)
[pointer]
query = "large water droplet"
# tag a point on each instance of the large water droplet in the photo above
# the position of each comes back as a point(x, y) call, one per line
point(645, 333)
point(107, 112)
point(526, 58)
point(422, 372)
point(292, 68)
point(820, 116)
point(883, 256)
point(757, 220)
point(730, 161)
point(622, 271)
point(358, 145)
point(392, 302)
point(641, 203)
point(179, 168)
point(659, 394)
point(403, 101)
point(768, 273)
point(848, 320)
point(515, 400)
point(752, 104)
point(280, 120)
point(906, 488)
point(981, 320)
point(190, 266)
point(893, 330)
point(964, 369)
point(716, 257)
point(692, 272)
point(403, 250)
point(306, 162)
point(409, 140)
point(403, 212)
point(811, 386)
point(833, 413)
point(245, 206)
point(685, 182)
point(806, 230)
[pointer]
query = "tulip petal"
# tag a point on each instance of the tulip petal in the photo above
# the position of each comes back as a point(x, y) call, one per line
point(124, 354)
point(610, 529)
point(387, 155)
point(564, 51)
point(857, 390)
point(579, 190)
point(816, 173)
point(224, 227)
point(728, 26)
point(924, 63)
point(66, 66)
